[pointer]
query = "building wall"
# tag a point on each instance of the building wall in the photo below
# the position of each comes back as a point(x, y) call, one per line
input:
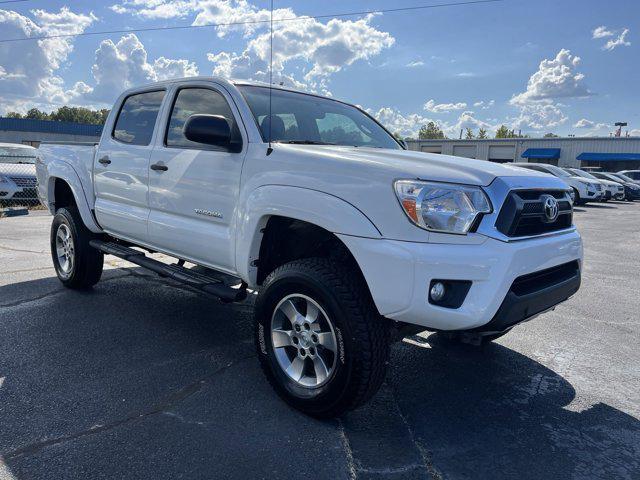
point(570, 148)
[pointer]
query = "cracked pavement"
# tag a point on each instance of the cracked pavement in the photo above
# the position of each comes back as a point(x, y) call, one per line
point(140, 379)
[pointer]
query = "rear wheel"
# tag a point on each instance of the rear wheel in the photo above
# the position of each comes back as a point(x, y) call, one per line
point(77, 264)
point(321, 342)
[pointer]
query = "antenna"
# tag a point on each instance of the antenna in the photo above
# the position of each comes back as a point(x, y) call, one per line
point(269, 148)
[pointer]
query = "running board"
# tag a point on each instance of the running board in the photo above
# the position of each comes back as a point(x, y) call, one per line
point(206, 283)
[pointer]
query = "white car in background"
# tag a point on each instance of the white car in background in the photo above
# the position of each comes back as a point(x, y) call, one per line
point(633, 174)
point(613, 189)
point(584, 190)
point(18, 183)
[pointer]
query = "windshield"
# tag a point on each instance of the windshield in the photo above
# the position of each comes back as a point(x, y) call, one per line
point(623, 177)
point(17, 154)
point(584, 174)
point(557, 171)
point(608, 176)
point(307, 119)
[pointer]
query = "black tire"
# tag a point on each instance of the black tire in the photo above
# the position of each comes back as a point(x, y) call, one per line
point(86, 267)
point(577, 200)
point(362, 335)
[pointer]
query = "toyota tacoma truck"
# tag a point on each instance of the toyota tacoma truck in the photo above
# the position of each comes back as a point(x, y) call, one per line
point(344, 237)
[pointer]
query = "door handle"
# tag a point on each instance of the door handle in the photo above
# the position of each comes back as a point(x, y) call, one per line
point(104, 160)
point(158, 167)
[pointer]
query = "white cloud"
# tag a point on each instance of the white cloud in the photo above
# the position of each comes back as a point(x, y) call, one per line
point(433, 107)
point(327, 47)
point(28, 70)
point(396, 122)
point(601, 32)
point(584, 123)
point(484, 105)
point(612, 43)
point(409, 125)
point(591, 127)
point(415, 63)
point(467, 119)
point(122, 65)
point(466, 74)
point(620, 40)
point(554, 79)
point(539, 116)
point(635, 132)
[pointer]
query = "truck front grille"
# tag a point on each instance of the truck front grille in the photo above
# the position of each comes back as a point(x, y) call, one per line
point(523, 213)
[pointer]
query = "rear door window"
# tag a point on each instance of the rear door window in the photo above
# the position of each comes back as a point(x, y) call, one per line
point(137, 118)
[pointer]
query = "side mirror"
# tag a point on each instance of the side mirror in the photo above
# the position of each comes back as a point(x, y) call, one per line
point(208, 129)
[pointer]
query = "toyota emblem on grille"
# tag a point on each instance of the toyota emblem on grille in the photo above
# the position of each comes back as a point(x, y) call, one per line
point(550, 208)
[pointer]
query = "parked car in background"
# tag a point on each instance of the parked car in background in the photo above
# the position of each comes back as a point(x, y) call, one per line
point(583, 190)
point(634, 174)
point(18, 175)
point(631, 189)
point(613, 189)
point(624, 177)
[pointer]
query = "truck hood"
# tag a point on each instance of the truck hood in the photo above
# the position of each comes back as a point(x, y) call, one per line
point(421, 165)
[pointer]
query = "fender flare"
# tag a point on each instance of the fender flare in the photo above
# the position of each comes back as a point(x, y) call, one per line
point(312, 206)
point(60, 170)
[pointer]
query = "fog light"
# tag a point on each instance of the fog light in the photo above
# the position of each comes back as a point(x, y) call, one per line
point(437, 291)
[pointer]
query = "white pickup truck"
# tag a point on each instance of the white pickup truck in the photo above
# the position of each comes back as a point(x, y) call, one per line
point(344, 234)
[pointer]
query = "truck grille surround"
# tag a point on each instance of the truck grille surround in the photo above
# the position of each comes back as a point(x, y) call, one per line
point(523, 213)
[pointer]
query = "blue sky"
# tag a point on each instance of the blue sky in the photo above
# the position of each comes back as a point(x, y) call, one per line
point(568, 67)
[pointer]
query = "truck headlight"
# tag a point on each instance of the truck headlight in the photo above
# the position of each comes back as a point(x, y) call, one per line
point(441, 207)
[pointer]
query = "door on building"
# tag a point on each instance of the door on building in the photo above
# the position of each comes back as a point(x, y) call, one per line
point(431, 148)
point(468, 151)
point(502, 153)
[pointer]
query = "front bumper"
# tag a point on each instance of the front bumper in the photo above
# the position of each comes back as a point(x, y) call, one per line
point(399, 273)
point(592, 195)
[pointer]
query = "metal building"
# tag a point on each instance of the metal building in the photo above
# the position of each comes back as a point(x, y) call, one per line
point(609, 153)
point(32, 132)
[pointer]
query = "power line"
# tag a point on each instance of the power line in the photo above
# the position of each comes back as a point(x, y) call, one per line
point(13, 1)
point(248, 22)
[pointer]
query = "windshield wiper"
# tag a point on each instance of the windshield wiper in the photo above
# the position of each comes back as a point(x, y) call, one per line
point(304, 142)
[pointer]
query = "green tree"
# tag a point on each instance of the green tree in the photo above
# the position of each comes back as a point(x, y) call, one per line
point(66, 114)
point(36, 114)
point(550, 135)
point(504, 132)
point(482, 133)
point(469, 134)
point(430, 130)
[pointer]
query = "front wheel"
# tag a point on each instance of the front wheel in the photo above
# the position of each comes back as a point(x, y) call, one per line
point(577, 200)
point(77, 264)
point(321, 342)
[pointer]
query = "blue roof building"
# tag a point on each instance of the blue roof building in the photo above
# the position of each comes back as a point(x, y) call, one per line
point(32, 132)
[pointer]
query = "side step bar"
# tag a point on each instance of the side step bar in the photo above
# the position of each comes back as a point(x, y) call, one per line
point(206, 283)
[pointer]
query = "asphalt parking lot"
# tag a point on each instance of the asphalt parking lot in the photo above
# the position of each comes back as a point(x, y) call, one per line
point(140, 379)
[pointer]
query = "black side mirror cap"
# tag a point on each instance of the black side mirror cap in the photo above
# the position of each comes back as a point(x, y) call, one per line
point(209, 130)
